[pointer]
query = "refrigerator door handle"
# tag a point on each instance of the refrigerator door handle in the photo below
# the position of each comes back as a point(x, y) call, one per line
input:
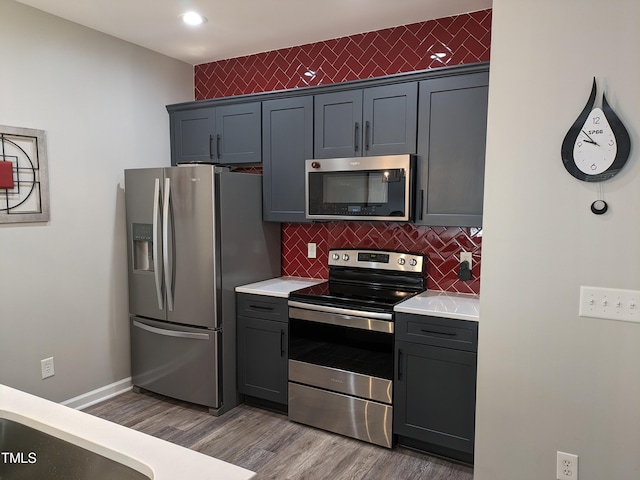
point(171, 333)
point(165, 244)
point(156, 257)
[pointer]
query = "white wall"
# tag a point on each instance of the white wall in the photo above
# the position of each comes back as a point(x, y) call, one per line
point(63, 286)
point(548, 379)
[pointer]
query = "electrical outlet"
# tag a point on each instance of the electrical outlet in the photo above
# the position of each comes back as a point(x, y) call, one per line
point(311, 250)
point(610, 303)
point(466, 257)
point(566, 466)
point(46, 365)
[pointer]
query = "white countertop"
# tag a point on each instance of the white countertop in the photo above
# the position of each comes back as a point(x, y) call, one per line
point(279, 287)
point(459, 306)
point(151, 456)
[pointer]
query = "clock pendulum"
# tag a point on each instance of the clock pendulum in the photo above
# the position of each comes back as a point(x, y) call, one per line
point(596, 147)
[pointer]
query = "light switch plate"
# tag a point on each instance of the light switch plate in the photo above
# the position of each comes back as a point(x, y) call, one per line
point(610, 303)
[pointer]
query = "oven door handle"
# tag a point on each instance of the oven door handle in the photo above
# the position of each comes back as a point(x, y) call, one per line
point(378, 322)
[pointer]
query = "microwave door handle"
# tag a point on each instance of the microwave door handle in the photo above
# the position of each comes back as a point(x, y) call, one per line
point(165, 244)
point(155, 253)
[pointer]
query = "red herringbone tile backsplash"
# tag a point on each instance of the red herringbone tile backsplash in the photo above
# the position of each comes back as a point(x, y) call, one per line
point(436, 43)
point(419, 46)
point(442, 246)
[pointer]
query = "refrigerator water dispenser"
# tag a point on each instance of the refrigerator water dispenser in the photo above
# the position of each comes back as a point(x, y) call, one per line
point(142, 246)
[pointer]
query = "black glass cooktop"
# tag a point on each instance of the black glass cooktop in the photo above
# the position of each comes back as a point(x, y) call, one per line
point(352, 296)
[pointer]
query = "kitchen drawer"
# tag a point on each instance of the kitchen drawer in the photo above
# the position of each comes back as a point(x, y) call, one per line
point(438, 331)
point(261, 306)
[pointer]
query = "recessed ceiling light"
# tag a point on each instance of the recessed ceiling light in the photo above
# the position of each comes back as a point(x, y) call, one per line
point(193, 18)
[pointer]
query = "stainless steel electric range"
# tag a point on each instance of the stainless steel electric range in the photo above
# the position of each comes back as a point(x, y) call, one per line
point(341, 342)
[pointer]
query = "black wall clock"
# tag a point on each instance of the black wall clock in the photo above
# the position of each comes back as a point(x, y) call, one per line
point(596, 146)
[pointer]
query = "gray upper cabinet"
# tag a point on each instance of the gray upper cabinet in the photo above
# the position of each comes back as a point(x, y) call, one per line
point(363, 122)
point(452, 119)
point(227, 134)
point(287, 142)
point(191, 132)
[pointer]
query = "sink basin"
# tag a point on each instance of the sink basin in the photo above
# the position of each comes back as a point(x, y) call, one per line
point(28, 453)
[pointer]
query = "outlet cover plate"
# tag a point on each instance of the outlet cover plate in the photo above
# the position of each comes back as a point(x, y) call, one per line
point(311, 250)
point(466, 256)
point(566, 466)
point(46, 365)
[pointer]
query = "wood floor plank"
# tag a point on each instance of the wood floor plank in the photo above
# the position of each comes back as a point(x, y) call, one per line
point(271, 445)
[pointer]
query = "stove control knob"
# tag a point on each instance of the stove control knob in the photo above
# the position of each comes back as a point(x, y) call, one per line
point(345, 257)
point(335, 256)
point(401, 261)
point(413, 262)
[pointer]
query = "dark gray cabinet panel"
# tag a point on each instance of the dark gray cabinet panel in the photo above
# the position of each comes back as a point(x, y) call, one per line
point(287, 143)
point(452, 125)
point(228, 134)
point(262, 347)
point(372, 121)
point(192, 135)
point(435, 384)
point(435, 395)
point(338, 124)
point(390, 119)
point(239, 133)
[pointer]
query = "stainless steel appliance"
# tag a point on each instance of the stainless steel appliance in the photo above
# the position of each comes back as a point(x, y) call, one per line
point(361, 188)
point(194, 232)
point(341, 343)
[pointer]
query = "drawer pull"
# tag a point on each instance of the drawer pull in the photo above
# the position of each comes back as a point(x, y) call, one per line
point(433, 332)
point(260, 307)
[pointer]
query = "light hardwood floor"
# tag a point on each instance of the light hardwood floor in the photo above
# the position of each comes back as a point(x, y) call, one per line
point(269, 444)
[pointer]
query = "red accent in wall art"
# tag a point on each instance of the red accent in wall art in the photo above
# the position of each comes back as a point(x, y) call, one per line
point(6, 175)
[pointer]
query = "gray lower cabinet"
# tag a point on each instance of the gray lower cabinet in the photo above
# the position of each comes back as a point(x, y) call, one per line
point(287, 141)
point(227, 134)
point(435, 385)
point(263, 334)
point(364, 122)
point(452, 119)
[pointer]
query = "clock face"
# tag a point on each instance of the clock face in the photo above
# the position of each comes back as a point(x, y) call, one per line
point(595, 148)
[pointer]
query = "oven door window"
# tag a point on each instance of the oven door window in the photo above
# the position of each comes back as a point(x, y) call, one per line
point(358, 192)
point(344, 348)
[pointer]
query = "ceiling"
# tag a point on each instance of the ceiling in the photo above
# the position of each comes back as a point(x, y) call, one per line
point(242, 27)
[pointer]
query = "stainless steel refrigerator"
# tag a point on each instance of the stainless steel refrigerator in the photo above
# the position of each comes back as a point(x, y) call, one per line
point(194, 232)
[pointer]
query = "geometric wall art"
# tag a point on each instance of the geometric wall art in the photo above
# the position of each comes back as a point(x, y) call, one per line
point(24, 180)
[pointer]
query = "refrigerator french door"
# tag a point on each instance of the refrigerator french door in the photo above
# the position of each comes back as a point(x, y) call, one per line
point(194, 233)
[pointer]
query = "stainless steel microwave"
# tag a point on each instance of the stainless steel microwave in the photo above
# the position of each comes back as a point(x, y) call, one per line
point(361, 188)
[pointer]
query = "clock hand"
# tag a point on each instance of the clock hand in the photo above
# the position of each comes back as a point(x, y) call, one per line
point(590, 139)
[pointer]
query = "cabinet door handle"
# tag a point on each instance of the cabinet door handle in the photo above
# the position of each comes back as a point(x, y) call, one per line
point(218, 147)
point(210, 147)
point(356, 139)
point(400, 355)
point(282, 342)
point(367, 134)
point(433, 332)
point(421, 204)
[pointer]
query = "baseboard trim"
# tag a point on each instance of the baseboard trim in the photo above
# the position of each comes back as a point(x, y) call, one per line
point(99, 394)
